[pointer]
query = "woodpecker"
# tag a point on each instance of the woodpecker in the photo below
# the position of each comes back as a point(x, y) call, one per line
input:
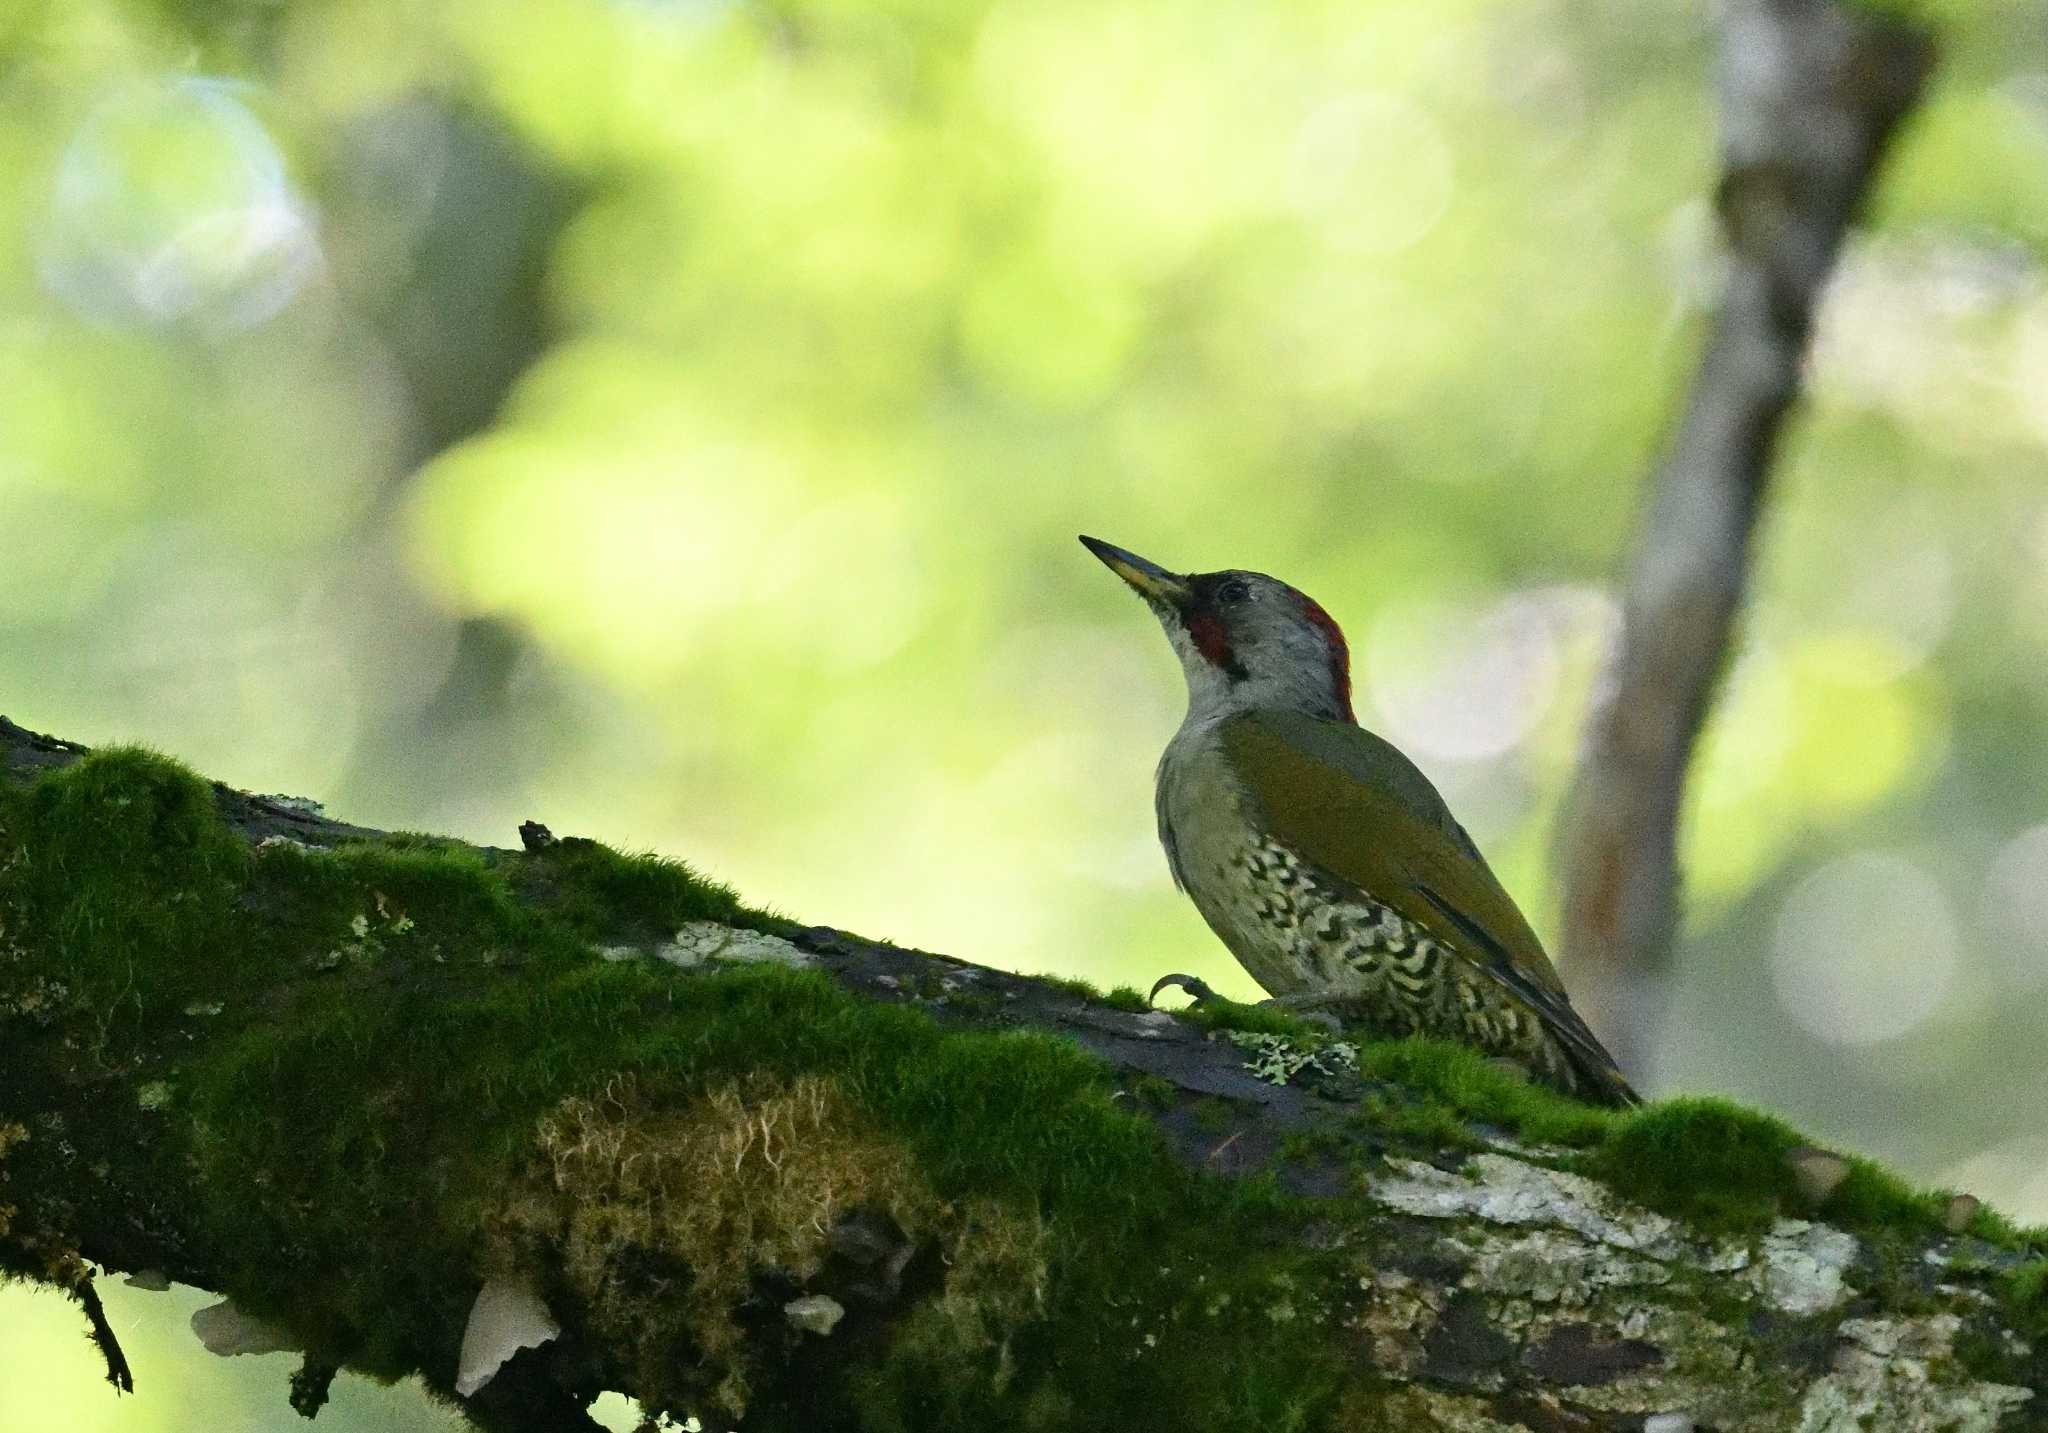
point(1322, 857)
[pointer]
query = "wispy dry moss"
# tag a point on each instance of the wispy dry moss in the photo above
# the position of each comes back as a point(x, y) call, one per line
point(749, 1180)
point(997, 1268)
point(11, 1134)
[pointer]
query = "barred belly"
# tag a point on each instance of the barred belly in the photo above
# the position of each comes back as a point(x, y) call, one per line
point(1328, 948)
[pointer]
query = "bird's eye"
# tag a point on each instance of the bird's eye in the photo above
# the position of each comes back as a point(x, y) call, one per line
point(1233, 591)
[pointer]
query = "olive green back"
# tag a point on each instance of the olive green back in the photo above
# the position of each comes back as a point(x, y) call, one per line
point(1354, 806)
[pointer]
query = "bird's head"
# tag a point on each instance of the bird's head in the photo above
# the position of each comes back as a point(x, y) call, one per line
point(1245, 640)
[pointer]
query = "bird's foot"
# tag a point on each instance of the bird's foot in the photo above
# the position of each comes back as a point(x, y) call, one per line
point(1196, 987)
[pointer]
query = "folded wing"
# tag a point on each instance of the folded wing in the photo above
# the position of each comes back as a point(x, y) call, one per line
point(1362, 813)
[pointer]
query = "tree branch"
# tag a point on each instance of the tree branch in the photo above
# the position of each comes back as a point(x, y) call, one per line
point(535, 1124)
point(1811, 92)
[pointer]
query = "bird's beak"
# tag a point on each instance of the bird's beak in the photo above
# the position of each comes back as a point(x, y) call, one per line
point(1153, 582)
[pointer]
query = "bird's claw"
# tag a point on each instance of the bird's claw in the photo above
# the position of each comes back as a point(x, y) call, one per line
point(1197, 988)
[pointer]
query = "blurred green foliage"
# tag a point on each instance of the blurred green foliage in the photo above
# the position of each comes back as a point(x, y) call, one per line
point(669, 419)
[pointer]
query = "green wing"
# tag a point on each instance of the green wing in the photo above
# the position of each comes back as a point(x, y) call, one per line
point(1360, 811)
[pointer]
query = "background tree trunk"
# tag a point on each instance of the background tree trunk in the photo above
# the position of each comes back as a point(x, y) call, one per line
point(1811, 93)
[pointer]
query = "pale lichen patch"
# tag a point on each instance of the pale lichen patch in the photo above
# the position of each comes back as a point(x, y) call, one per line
point(699, 941)
point(303, 805)
point(1540, 1153)
point(1708, 1370)
point(1421, 1409)
point(1277, 1059)
point(1551, 1267)
point(1891, 1370)
point(1508, 1191)
point(1800, 1266)
point(1398, 1317)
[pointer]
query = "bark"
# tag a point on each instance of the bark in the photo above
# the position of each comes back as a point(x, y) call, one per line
point(1811, 92)
point(1226, 1229)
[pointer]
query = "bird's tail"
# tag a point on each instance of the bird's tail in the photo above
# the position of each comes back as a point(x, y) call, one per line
point(1602, 1081)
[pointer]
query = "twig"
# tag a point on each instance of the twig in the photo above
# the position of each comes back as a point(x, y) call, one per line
point(103, 1334)
point(310, 1386)
point(1811, 92)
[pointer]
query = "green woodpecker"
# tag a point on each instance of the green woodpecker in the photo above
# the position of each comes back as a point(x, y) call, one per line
point(1326, 862)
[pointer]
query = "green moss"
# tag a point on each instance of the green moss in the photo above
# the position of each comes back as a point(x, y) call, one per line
point(375, 1097)
point(604, 894)
point(1997, 1230)
point(118, 879)
point(2025, 1294)
point(1071, 985)
point(1704, 1160)
point(1314, 1144)
point(1422, 1122)
point(362, 898)
point(1124, 997)
point(1724, 1168)
point(1221, 1014)
point(1153, 1092)
point(1871, 1196)
point(1980, 1354)
point(1465, 1082)
point(978, 1004)
point(1177, 1342)
point(1020, 1117)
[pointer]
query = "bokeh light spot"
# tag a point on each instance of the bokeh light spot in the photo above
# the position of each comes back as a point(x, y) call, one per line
point(1864, 949)
point(1747, 734)
point(1372, 172)
point(2015, 907)
point(171, 202)
point(1048, 332)
point(2011, 1175)
point(1863, 734)
point(1448, 683)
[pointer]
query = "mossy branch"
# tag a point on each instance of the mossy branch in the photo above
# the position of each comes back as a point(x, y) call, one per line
point(403, 1099)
